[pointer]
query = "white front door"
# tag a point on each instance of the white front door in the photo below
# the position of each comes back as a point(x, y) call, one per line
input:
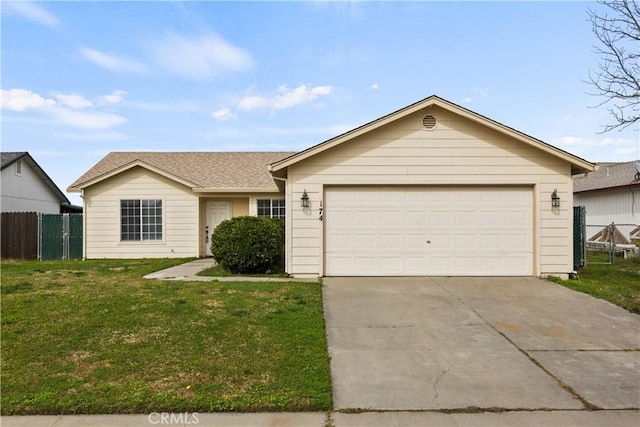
point(216, 213)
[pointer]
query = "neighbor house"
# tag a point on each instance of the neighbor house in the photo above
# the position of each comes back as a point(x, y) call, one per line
point(610, 194)
point(26, 187)
point(431, 189)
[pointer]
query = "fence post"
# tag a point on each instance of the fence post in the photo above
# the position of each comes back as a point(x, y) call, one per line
point(65, 236)
point(613, 242)
point(39, 236)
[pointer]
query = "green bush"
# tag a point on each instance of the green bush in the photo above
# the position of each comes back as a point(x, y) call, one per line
point(249, 245)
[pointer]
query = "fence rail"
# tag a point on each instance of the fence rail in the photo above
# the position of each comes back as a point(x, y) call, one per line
point(28, 235)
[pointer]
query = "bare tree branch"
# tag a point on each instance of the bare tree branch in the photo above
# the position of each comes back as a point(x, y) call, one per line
point(617, 77)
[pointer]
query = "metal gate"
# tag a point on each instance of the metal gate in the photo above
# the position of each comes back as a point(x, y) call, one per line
point(60, 236)
point(579, 237)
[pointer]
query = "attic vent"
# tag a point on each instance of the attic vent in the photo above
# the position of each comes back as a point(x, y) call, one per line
point(429, 122)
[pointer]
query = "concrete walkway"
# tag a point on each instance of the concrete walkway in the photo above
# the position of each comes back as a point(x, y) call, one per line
point(622, 418)
point(188, 272)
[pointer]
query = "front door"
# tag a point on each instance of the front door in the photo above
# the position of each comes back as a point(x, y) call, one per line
point(216, 213)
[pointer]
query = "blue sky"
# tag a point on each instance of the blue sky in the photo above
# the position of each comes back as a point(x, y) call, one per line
point(81, 79)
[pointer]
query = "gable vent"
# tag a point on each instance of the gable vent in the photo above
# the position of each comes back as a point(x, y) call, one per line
point(429, 122)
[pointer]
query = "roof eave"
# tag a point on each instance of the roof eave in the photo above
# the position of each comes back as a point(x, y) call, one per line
point(235, 190)
point(81, 186)
point(578, 165)
point(44, 176)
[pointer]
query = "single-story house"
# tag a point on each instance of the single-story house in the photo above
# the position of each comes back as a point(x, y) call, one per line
point(430, 189)
point(26, 187)
point(610, 194)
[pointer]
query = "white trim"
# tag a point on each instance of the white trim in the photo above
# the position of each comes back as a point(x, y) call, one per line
point(580, 164)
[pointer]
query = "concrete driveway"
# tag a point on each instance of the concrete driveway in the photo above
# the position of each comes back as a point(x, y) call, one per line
point(490, 343)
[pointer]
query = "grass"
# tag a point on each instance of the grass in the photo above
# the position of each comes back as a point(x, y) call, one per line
point(219, 271)
point(94, 337)
point(618, 283)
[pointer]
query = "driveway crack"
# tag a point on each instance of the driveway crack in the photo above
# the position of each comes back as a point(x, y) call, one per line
point(437, 381)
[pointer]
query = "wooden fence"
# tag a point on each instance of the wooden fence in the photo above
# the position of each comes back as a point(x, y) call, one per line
point(19, 238)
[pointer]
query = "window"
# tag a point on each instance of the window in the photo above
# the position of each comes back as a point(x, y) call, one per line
point(272, 208)
point(140, 220)
point(19, 167)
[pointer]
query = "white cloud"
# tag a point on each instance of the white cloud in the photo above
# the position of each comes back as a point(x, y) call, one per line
point(113, 62)
point(93, 136)
point(616, 142)
point(73, 101)
point(32, 12)
point(480, 91)
point(628, 151)
point(23, 99)
point(572, 141)
point(375, 86)
point(198, 58)
point(113, 98)
point(466, 100)
point(284, 98)
point(87, 120)
point(223, 114)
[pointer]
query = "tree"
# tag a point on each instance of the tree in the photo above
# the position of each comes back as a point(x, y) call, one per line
point(617, 77)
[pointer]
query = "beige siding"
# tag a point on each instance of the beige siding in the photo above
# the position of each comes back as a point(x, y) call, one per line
point(102, 217)
point(457, 152)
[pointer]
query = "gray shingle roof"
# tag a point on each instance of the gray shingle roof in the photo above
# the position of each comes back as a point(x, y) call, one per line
point(210, 170)
point(609, 175)
point(9, 157)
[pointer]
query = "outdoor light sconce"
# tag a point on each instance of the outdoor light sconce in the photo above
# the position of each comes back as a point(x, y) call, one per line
point(304, 199)
point(555, 199)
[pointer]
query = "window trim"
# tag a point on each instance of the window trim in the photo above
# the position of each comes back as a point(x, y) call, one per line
point(163, 230)
point(271, 208)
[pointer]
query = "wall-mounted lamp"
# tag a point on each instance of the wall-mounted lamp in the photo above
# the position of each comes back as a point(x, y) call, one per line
point(555, 199)
point(304, 199)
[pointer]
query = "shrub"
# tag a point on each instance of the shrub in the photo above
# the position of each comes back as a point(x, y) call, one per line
point(249, 244)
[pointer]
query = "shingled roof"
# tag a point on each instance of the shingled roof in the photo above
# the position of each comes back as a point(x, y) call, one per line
point(608, 175)
point(201, 170)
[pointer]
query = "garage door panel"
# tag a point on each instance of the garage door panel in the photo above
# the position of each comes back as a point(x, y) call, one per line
point(518, 218)
point(414, 218)
point(471, 231)
point(391, 241)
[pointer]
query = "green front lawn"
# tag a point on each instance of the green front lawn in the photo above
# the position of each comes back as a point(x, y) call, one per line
point(618, 283)
point(94, 337)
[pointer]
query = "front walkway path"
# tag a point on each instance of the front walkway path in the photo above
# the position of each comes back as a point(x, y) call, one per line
point(188, 272)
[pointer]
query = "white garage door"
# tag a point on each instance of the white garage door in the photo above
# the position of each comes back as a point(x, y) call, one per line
point(437, 231)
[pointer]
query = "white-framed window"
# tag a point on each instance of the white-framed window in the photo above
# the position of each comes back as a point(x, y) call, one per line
point(272, 208)
point(19, 168)
point(140, 219)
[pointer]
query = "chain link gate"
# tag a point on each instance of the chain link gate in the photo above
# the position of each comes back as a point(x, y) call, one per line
point(579, 237)
point(60, 237)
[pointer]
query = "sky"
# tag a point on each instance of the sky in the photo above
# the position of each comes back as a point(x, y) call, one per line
point(82, 79)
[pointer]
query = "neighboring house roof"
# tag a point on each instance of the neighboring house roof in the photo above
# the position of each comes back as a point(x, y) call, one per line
point(201, 171)
point(578, 165)
point(608, 175)
point(9, 158)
